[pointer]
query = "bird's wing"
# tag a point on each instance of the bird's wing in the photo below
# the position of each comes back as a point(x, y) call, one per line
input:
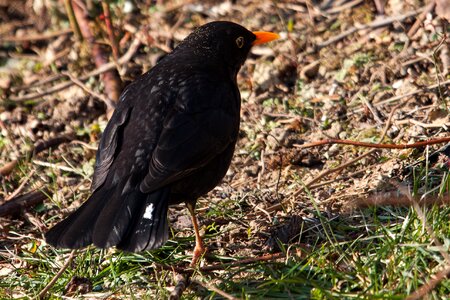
point(108, 146)
point(190, 139)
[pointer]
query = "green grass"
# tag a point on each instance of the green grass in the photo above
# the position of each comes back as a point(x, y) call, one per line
point(378, 253)
point(374, 253)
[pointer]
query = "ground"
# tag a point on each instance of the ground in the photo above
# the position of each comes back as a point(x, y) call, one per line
point(288, 221)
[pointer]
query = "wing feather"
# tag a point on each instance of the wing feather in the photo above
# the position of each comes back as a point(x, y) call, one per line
point(109, 144)
point(188, 141)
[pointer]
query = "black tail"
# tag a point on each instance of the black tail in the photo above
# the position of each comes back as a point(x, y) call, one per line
point(121, 216)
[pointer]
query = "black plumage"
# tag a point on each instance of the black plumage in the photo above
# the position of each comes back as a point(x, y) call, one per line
point(170, 140)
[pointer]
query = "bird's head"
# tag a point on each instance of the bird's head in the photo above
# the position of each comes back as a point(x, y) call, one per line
point(224, 42)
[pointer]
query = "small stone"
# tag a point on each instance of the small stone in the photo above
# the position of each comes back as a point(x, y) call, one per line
point(5, 116)
point(34, 124)
point(334, 149)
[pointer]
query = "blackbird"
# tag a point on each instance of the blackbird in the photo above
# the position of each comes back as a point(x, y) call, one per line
point(170, 140)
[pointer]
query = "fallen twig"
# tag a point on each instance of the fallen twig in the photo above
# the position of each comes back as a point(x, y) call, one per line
point(183, 280)
point(372, 25)
point(180, 287)
point(111, 78)
point(372, 110)
point(395, 98)
point(416, 203)
point(420, 18)
point(110, 104)
point(146, 37)
point(349, 163)
point(347, 5)
point(394, 198)
point(342, 178)
point(37, 37)
point(58, 275)
point(421, 124)
point(54, 142)
point(374, 145)
point(379, 4)
point(267, 257)
point(431, 284)
point(445, 58)
point(334, 170)
point(7, 168)
point(46, 80)
point(38, 147)
point(14, 205)
point(223, 266)
point(427, 287)
point(214, 289)
point(21, 186)
point(402, 197)
point(110, 29)
point(63, 85)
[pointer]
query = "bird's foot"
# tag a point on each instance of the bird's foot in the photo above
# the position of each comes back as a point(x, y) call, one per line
point(199, 251)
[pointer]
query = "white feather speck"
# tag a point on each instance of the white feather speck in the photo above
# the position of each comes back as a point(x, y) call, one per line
point(148, 212)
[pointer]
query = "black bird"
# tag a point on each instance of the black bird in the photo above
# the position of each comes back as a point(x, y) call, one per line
point(170, 140)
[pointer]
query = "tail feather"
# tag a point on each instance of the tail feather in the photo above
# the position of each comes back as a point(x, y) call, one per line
point(149, 229)
point(76, 230)
point(126, 218)
point(115, 218)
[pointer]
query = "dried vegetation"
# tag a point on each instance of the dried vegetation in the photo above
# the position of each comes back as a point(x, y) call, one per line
point(343, 221)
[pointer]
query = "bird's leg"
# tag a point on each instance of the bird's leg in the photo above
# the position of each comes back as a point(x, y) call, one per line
point(199, 249)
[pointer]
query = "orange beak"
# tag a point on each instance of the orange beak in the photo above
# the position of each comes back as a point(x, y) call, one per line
point(264, 37)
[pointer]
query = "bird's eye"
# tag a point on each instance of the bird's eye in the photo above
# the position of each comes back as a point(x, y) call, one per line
point(240, 42)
